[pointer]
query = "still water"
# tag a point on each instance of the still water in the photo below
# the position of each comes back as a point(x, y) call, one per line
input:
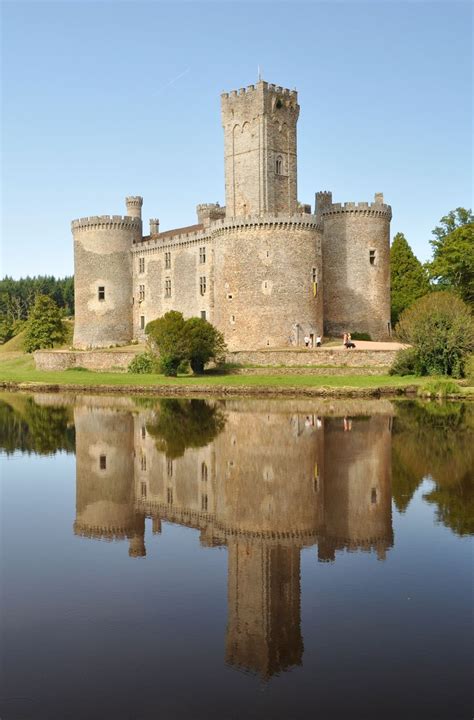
point(167, 559)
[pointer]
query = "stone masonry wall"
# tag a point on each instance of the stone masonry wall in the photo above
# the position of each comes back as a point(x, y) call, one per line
point(263, 292)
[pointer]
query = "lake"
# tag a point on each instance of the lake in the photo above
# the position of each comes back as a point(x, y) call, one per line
point(235, 558)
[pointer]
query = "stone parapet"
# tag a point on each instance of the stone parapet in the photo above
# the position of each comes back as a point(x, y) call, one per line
point(304, 220)
point(333, 357)
point(106, 222)
point(89, 359)
point(374, 209)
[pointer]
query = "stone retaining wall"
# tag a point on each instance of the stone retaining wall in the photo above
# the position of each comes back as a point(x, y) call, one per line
point(89, 359)
point(332, 357)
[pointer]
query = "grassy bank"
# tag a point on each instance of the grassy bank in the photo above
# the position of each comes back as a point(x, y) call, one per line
point(18, 368)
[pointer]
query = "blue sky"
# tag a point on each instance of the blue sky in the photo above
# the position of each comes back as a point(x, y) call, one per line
point(106, 99)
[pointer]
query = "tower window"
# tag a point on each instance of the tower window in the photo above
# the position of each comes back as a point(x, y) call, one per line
point(202, 255)
point(169, 496)
point(141, 293)
point(373, 496)
point(169, 467)
point(279, 166)
point(167, 260)
point(168, 287)
point(203, 314)
point(103, 462)
point(143, 490)
point(314, 275)
point(372, 257)
point(202, 285)
point(141, 265)
point(142, 322)
point(101, 292)
point(204, 503)
point(143, 462)
point(204, 472)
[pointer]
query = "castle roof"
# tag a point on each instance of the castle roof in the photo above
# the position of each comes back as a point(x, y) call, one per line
point(175, 231)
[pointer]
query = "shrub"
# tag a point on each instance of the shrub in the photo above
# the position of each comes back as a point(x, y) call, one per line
point(438, 388)
point(405, 363)
point(203, 343)
point(440, 327)
point(143, 364)
point(44, 327)
point(360, 336)
point(184, 342)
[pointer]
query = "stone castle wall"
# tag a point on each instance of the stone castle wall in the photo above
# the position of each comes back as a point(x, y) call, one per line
point(356, 260)
point(102, 259)
point(264, 292)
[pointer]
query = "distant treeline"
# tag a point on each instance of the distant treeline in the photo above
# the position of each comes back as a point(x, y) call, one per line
point(18, 296)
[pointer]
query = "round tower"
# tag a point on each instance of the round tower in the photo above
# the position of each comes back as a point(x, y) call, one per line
point(356, 261)
point(268, 281)
point(103, 288)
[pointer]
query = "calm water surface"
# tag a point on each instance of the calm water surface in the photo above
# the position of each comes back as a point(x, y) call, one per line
point(235, 559)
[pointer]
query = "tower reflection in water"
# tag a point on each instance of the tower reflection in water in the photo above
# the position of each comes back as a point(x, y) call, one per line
point(269, 484)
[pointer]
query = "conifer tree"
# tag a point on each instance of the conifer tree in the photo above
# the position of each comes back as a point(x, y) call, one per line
point(44, 326)
point(408, 278)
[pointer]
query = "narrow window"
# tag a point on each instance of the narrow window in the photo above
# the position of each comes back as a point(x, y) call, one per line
point(204, 472)
point(203, 314)
point(143, 463)
point(202, 285)
point(141, 265)
point(101, 292)
point(143, 488)
point(143, 432)
point(142, 322)
point(279, 166)
point(169, 467)
point(167, 260)
point(170, 496)
point(372, 257)
point(168, 287)
point(141, 293)
point(103, 462)
point(314, 276)
point(373, 496)
point(202, 255)
point(204, 503)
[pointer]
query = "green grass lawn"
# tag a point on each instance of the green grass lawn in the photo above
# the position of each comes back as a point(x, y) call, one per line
point(18, 367)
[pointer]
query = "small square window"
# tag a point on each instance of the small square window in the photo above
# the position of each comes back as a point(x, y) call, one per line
point(372, 257)
point(101, 292)
point(103, 462)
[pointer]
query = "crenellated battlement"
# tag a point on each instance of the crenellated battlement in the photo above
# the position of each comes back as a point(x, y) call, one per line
point(106, 222)
point(260, 85)
point(303, 220)
point(375, 209)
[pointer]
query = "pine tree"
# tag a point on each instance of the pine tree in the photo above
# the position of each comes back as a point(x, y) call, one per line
point(408, 278)
point(44, 327)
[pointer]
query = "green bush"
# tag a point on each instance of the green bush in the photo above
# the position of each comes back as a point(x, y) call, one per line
point(405, 363)
point(143, 364)
point(360, 336)
point(182, 342)
point(440, 328)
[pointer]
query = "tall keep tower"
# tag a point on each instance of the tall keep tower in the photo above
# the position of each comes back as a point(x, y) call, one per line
point(260, 150)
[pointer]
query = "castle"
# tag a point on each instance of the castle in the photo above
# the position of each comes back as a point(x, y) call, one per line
point(265, 269)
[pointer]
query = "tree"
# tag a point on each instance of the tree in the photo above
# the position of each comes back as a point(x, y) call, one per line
point(440, 327)
point(203, 343)
point(166, 335)
point(177, 340)
point(182, 424)
point(44, 327)
point(408, 278)
point(453, 261)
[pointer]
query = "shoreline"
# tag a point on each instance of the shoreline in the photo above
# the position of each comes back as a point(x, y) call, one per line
point(410, 390)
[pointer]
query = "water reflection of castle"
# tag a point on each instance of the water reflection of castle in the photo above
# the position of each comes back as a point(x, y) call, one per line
point(272, 482)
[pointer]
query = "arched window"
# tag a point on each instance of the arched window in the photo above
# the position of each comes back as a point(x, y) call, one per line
point(279, 166)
